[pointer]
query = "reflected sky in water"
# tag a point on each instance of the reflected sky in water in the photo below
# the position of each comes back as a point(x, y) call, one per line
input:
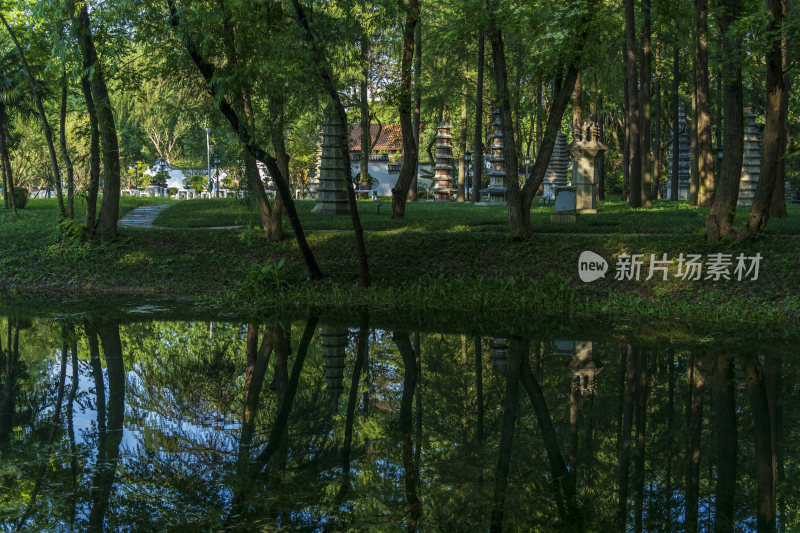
point(331, 425)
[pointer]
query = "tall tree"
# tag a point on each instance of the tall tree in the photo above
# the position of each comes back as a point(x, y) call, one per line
point(477, 155)
point(106, 226)
point(676, 152)
point(705, 157)
point(408, 168)
point(635, 199)
point(48, 134)
point(774, 145)
point(646, 118)
point(719, 222)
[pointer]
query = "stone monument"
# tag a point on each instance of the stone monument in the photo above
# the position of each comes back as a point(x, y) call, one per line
point(565, 206)
point(751, 160)
point(443, 177)
point(334, 344)
point(498, 183)
point(684, 159)
point(332, 189)
point(556, 174)
point(585, 149)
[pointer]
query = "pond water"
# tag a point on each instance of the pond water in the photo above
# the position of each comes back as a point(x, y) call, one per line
point(150, 423)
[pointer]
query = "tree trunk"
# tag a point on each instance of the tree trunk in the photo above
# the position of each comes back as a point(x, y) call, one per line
point(48, 135)
point(8, 175)
point(106, 227)
point(723, 403)
point(366, 141)
point(62, 138)
point(694, 177)
point(462, 145)
point(670, 437)
point(773, 145)
point(94, 152)
point(411, 474)
point(601, 162)
point(778, 208)
point(477, 155)
point(696, 385)
point(659, 144)
point(676, 151)
point(576, 104)
point(412, 193)
point(635, 199)
point(719, 222)
point(510, 405)
point(270, 223)
point(625, 442)
point(641, 425)
point(762, 427)
point(358, 366)
point(646, 114)
point(705, 155)
point(410, 149)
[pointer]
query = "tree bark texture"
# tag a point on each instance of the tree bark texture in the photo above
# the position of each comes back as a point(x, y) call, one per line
point(723, 402)
point(696, 391)
point(676, 151)
point(646, 111)
point(705, 156)
point(477, 151)
point(93, 187)
point(635, 199)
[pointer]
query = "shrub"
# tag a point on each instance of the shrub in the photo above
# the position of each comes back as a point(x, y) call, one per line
point(20, 197)
point(172, 191)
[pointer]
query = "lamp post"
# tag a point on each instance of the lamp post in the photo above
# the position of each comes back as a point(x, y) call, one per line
point(467, 159)
point(208, 152)
point(216, 175)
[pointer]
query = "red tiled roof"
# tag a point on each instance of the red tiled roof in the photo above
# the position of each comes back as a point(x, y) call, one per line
point(391, 138)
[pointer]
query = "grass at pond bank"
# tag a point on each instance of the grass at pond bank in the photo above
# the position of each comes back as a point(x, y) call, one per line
point(414, 272)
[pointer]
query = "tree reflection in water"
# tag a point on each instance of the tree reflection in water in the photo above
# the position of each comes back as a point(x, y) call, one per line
point(158, 425)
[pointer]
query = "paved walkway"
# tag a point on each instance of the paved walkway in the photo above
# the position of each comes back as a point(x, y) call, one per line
point(142, 217)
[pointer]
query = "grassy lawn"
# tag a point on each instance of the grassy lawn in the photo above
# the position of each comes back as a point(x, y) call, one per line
point(414, 271)
point(613, 217)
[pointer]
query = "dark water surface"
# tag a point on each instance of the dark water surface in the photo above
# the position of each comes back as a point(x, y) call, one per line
point(318, 425)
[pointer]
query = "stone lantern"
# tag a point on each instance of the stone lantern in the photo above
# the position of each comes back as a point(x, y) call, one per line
point(443, 178)
point(332, 188)
point(585, 149)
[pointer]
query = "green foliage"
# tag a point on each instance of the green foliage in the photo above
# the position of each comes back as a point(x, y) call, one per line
point(196, 182)
point(265, 281)
point(20, 197)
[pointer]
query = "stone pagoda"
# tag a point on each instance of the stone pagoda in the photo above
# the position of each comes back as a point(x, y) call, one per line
point(332, 188)
point(443, 178)
point(684, 159)
point(556, 174)
point(334, 345)
point(498, 182)
point(583, 369)
point(751, 160)
point(313, 168)
point(585, 149)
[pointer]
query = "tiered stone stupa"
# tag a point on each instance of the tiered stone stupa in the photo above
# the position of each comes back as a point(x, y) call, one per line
point(751, 160)
point(684, 159)
point(332, 189)
point(498, 182)
point(334, 344)
point(556, 174)
point(314, 168)
point(443, 178)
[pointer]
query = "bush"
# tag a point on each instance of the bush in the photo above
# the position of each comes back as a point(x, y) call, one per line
point(172, 191)
point(20, 197)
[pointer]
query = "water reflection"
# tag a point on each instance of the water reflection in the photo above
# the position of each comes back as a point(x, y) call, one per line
point(321, 425)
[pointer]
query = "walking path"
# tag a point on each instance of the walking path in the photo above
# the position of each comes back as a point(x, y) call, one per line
point(142, 217)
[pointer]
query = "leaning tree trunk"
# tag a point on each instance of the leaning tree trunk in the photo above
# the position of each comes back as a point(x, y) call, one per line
point(412, 192)
point(635, 199)
point(62, 139)
point(94, 152)
point(705, 157)
point(410, 148)
point(773, 146)
point(48, 134)
point(106, 227)
point(719, 222)
point(364, 108)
